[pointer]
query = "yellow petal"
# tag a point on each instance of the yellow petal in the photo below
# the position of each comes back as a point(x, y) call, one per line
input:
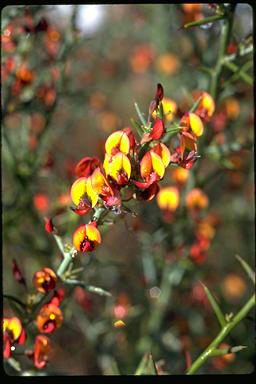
point(78, 189)
point(90, 192)
point(93, 233)
point(106, 163)
point(165, 155)
point(196, 124)
point(157, 164)
point(118, 140)
point(118, 163)
point(79, 236)
point(208, 103)
point(98, 181)
point(15, 327)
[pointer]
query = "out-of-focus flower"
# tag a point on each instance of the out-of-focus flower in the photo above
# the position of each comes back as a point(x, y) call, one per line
point(40, 353)
point(13, 333)
point(233, 286)
point(141, 58)
point(25, 75)
point(86, 238)
point(46, 95)
point(196, 198)
point(109, 121)
point(180, 175)
point(97, 100)
point(192, 12)
point(168, 63)
point(198, 250)
point(83, 298)
point(41, 202)
point(231, 107)
point(45, 280)
point(119, 323)
point(168, 198)
point(49, 318)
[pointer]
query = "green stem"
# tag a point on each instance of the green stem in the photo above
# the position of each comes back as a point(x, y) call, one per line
point(224, 41)
point(223, 333)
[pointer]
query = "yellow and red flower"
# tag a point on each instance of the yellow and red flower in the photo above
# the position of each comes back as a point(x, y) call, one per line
point(83, 196)
point(40, 353)
point(169, 109)
point(87, 237)
point(117, 142)
point(206, 106)
point(118, 167)
point(49, 318)
point(180, 175)
point(13, 333)
point(45, 280)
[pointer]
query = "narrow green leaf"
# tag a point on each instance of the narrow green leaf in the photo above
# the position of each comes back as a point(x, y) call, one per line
point(137, 127)
point(140, 114)
point(90, 288)
point(247, 268)
point(215, 306)
point(17, 306)
point(204, 21)
point(147, 366)
point(225, 351)
point(195, 105)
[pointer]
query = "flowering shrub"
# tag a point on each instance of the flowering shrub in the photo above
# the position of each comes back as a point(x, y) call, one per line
point(114, 221)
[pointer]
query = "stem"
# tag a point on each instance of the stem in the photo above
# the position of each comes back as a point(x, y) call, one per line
point(224, 41)
point(223, 333)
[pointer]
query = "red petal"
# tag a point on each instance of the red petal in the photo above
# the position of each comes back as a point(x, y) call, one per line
point(159, 92)
point(81, 212)
point(22, 338)
point(7, 348)
point(158, 129)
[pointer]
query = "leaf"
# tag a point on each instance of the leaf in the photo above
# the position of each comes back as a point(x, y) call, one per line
point(195, 105)
point(146, 366)
point(215, 306)
point(137, 127)
point(17, 306)
point(247, 268)
point(140, 114)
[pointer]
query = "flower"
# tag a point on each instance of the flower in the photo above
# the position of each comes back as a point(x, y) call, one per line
point(156, 132)
point(168, 63)
point(83, 196)
point(86, 238)
point(233, 286)
point(86, 166)
point(13, 333)
point(168, 198)
point(180, 175)
point(49, 318)
point(41, 351)
point(45, 280)
point(169, 109)
point(117, 142)
point(196, 198)
point(41, 202)
point(206, 106)
point(118, 167)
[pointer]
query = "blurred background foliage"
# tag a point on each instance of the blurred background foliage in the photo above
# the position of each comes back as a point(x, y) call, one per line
point(66, 85)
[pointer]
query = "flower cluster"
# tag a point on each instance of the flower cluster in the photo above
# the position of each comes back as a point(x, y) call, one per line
point(133, 167)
